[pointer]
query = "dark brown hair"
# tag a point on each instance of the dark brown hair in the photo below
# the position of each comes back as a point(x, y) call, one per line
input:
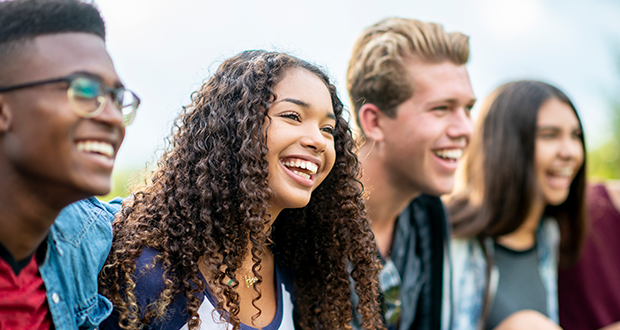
point(209, 199)
point(499, 174)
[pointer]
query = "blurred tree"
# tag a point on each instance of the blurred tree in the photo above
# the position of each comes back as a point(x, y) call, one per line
point(123, 179)
point(604, 161)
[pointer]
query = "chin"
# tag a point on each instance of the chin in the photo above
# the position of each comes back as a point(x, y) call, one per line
point(439, 188)
point(556, 201)
point(297, 203)
point(98, 189)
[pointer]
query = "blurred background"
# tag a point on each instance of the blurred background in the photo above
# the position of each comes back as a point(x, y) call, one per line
point(164, 50)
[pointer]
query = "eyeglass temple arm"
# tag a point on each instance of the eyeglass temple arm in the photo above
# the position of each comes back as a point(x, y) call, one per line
point(32, 84)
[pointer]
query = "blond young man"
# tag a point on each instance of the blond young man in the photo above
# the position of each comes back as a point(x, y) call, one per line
point(412, 97)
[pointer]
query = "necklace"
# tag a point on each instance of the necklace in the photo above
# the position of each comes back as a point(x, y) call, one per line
point(249, 281)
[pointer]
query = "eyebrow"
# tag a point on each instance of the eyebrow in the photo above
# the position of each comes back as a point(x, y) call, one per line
point(305, 105)
point(554, 128)
point(296, 101)
point(450, 100)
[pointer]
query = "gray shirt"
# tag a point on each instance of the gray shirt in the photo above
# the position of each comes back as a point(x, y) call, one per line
point(520, 286)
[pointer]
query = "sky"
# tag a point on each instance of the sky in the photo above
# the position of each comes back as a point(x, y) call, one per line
point(165, 50)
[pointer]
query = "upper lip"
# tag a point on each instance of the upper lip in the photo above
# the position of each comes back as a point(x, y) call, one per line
point(311, 159)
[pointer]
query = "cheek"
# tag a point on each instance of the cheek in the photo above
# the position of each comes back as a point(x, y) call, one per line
point(330, 155)
point(579, 154)
point(544, 153)
point(329, 161)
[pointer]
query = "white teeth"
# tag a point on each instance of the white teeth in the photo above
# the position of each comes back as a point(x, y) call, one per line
point(96, 147)
point(455, 154)
point(302, 164)
point(303, 175)
point(562, 171)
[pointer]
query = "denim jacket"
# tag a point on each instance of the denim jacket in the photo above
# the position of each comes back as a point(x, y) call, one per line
point(78, 244)
point(469, 275)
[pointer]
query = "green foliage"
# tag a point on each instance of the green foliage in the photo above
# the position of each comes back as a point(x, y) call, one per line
point(122, 179)
point(604, 161)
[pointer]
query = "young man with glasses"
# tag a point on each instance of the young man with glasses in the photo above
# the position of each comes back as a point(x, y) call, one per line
point(411, 95)
point(63, 112)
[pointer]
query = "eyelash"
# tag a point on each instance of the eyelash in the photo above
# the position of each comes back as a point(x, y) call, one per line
point(296, 117)
point(291, 115)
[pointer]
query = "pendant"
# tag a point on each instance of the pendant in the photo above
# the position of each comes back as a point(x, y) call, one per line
point(249, 281)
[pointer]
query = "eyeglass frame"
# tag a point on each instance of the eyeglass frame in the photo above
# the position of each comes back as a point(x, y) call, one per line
point(112, 91)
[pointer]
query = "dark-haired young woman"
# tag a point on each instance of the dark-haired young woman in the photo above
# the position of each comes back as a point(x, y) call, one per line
point(520, 209)
point(255, 208)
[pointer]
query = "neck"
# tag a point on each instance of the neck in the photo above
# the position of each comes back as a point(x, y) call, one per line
point(524, 237)
point(25, 215)
point(385, 200)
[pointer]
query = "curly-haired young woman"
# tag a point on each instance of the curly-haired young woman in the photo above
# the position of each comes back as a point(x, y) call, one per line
point(520, 211)
point(254, 208)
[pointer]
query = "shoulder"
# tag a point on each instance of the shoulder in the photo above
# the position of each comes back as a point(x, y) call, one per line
point(469, 280)
point(464, 252)
point(613, 192)
point(150, 283)
point(149, 277)
point(77, 219)
point(549, 233)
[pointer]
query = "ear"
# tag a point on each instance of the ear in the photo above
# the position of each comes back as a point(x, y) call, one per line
point(5, 115)
point(370, 120)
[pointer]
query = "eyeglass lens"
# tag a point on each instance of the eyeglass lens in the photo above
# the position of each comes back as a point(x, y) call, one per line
point(88, 96)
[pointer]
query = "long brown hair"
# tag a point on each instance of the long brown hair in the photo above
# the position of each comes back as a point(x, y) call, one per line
point(498, 169)
point(209, 199)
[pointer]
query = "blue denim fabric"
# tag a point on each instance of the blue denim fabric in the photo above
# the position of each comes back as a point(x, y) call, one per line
point(469, 265)
point(78, 244)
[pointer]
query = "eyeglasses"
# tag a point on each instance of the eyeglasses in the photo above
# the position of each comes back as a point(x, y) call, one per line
point(389, 281)
point(87, 95)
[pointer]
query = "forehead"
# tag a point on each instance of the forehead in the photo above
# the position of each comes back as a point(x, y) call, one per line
point(303, 85)
point(554, 112)
point(57, 55)
point(435, 81)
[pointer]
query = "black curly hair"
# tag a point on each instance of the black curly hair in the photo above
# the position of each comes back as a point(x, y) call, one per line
point(208, 200)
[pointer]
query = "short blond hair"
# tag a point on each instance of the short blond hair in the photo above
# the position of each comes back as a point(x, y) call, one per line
point(377, 72)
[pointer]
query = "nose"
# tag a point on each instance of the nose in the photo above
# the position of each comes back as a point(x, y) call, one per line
point(313, 138)
point(462, 126)
point(111, 114)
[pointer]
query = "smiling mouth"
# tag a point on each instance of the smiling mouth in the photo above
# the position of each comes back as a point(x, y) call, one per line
point(450, 155)
point(561, 172)
point(96, 148)
point(303, 168)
